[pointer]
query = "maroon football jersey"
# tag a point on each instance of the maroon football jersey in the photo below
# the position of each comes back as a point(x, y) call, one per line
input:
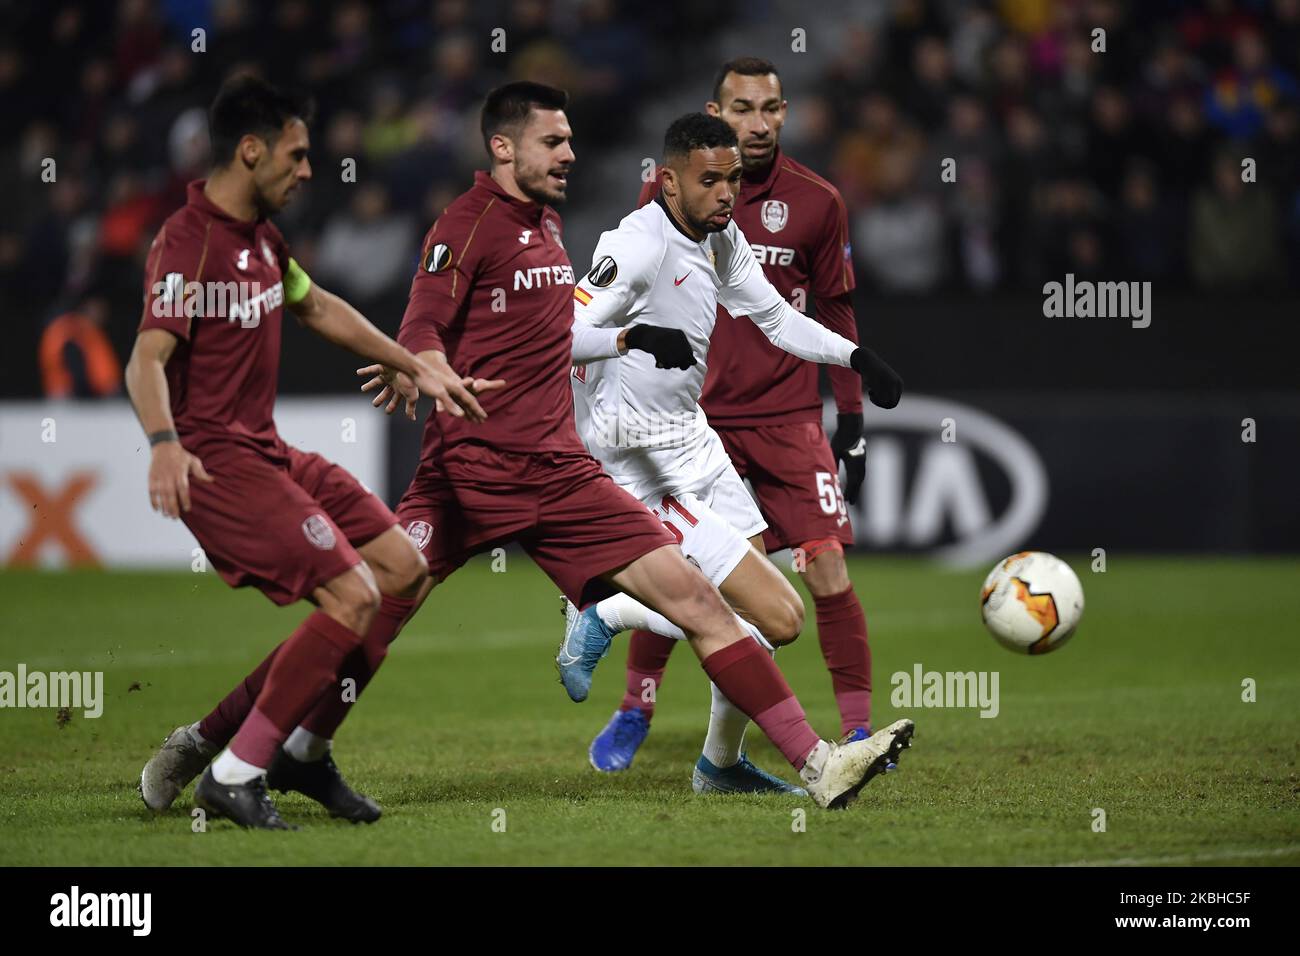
point(214, 282)
point(798, 227)
point(494, 292)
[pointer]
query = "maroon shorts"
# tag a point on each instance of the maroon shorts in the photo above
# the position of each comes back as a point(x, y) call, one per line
point(562, 508)
point(795, 478)
point(286, 523)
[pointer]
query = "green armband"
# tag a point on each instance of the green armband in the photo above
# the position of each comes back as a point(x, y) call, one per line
point(296, 283)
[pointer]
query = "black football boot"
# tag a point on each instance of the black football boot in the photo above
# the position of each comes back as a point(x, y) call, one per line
point(247, 804)
point(322, 781)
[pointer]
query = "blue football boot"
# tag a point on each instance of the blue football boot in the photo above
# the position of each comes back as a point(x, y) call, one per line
point(744, 777)
point(586, 641)
point(616, 745)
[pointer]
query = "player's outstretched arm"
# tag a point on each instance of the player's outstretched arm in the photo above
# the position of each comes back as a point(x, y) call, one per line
point(335, 320)
point(799, 335)
point(170, 465)
point(746, 291)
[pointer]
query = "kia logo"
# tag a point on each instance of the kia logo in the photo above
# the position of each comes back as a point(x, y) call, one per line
point(942, 496)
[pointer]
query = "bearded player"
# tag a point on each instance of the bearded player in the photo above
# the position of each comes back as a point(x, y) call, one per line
point(765, 407)
point(673, 262)
point(493, 296)
point(202, 379)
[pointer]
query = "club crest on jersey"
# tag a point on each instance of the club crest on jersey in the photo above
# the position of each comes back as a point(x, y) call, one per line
point(774, 215)
point(419, 532)
point(555, 232)
point(437, 258)
point(318, 531)
point(267, 254)
point(603, 272)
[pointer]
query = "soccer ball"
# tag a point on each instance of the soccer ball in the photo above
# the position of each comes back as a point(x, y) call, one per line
point(1032, 602)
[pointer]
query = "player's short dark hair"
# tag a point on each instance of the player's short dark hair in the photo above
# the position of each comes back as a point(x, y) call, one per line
point(696, 131)
point(743, 66)
point(248, 104)
point(506, 108)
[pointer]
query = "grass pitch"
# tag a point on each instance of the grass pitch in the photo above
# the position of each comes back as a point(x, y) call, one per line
point(1140, 715)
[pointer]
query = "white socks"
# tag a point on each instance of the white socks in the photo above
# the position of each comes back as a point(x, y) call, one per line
point(623, 612)
point(726, 734)
point(229, 769)
point(727, 723)
point(306, 747)
point(302, 745)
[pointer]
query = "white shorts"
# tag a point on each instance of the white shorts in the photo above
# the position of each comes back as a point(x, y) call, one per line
point(708, 510)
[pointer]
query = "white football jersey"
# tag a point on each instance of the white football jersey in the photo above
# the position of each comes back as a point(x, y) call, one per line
point(648, 271)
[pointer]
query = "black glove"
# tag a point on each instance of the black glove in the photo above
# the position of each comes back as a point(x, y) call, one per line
point(884, 387)
point(670, 347)
point(850, 448)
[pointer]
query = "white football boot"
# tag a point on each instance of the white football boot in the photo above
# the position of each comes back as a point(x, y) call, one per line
point(834, 773)
point(181, 758)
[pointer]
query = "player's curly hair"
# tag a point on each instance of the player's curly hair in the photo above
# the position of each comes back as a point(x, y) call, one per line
point(245, 104)
point(696, 131)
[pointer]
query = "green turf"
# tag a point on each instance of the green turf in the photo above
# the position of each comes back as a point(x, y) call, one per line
point(1140, 715)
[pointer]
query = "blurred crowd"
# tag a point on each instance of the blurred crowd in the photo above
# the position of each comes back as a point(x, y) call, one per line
point(1124, 162)
point(1119, 153)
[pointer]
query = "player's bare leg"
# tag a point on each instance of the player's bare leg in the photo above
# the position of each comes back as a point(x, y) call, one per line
point(770, 604)
point(760, 595)
point(769, 609)
point(746, 674)
point(841, 630)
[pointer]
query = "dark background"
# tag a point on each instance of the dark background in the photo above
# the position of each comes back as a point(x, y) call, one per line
point(1123, 165)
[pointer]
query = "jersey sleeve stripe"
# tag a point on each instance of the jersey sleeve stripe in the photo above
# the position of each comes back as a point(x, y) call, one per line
point(468, 240)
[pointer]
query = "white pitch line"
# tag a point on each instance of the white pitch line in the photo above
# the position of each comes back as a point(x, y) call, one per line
point(1294, 849)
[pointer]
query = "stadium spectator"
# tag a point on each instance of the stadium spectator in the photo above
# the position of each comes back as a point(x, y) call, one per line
point(1234, 230)
point(366, 248)
point(1076, 158)
point(76, 358)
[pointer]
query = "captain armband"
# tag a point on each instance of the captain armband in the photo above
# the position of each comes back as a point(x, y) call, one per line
point(296, 283)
